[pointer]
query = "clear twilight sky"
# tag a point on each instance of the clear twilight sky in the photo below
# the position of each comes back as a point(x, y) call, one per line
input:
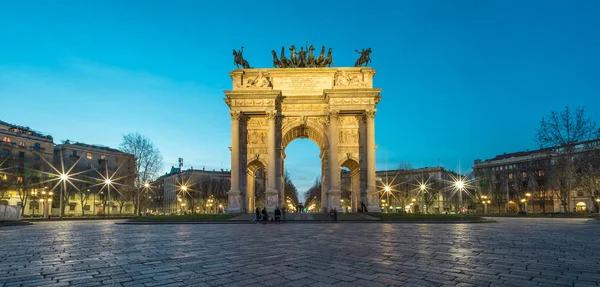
point(461, 79)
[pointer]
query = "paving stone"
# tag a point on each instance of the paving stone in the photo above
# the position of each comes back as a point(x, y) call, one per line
point(512, 252)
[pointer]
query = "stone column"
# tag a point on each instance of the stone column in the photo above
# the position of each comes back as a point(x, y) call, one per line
point(250, 187)
point(234, 194)
point(271, 192)
point(334, 194)
point(372, 194)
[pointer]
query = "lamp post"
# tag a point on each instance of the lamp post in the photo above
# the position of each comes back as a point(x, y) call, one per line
point(146, 188)
point(527, 196)
point(63, 185)
point(422, 187)
point(459, 186)
point(387, 189)
point(46, 201)
point(108, 182)
point(598, 202)
point(524, 201)
point(483, 197)
point(34, 194)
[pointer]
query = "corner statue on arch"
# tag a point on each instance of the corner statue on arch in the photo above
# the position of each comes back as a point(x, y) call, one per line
point(334, 107)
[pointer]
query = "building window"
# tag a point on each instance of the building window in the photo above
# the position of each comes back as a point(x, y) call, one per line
point(21, 155)
point(19, 179)
point(541, 172)
point(72, 207)
point(510, 175)
point(22, 144)
point(87, 207)
point(524, 174)
point(36, 146)
point(103, 157)
point(6, 139)
point(5, 152)
point(74, 153)
point(88, 155)
point(36, 156)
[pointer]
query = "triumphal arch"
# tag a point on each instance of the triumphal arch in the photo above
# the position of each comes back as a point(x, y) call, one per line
point(333, 107)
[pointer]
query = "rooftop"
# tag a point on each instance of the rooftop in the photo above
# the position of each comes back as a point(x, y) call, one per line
point(87, 146)
point(25, 130)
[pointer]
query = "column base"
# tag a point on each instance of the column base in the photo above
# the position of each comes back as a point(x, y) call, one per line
point(234, 201)
point(333, 198)
point(373, 201)
point(271, 199)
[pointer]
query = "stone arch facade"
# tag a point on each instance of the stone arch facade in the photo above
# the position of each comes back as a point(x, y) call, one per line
point(333, 107)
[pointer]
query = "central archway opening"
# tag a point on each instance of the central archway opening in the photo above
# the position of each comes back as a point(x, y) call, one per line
point(302, 165)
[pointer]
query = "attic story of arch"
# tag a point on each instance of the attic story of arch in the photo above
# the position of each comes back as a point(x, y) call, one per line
point(332, 106)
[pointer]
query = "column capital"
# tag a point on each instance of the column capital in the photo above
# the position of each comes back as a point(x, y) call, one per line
point(235, 115)
point(370, 113)
point(333, 114)
point(271, 115)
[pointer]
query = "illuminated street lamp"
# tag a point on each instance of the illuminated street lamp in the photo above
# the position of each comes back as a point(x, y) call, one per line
point(527, 196)
point(387, 190)
point(598, 202)
point(422, 188)
point(485, 201)
point(63, 181)
point(46, 201)
point(459, 185)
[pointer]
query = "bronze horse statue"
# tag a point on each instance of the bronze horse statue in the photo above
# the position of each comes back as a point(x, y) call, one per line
point(329, 60)
point(364, 57)
point(283, 61)
point(319, 61)
point(238, 59)
point(276, 62)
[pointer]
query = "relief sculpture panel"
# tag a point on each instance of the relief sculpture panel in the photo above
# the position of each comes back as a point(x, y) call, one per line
point(257, 137)
point(257, 122)
point(348, 136)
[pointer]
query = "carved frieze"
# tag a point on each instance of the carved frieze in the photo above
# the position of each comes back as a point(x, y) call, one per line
point(303, 107)
point(253, 102)
point(257, 122)
point(256, 151)
point(348, 136)
point(257, 137)
point(353, 101)
point(348, 120)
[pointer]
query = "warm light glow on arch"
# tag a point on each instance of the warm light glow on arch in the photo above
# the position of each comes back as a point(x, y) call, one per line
point(304, 132)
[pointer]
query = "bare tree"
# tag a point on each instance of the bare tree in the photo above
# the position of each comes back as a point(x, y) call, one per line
point(404, 165)
point(313, 194)
point(149, 161)
point(290, 189)
point(569, 132)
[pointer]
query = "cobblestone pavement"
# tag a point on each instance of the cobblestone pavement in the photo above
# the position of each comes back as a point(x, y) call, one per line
point(512, 252)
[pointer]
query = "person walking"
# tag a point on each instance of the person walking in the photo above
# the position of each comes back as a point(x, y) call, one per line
point(257, 213)
point(335, 215)
point(331, 214)
point(265, 216)
point(277, 215)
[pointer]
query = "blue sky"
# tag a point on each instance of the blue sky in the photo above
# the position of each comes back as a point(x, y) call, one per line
point(461, 79)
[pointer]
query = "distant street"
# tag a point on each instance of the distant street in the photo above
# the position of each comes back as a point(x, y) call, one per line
point(512, 252)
